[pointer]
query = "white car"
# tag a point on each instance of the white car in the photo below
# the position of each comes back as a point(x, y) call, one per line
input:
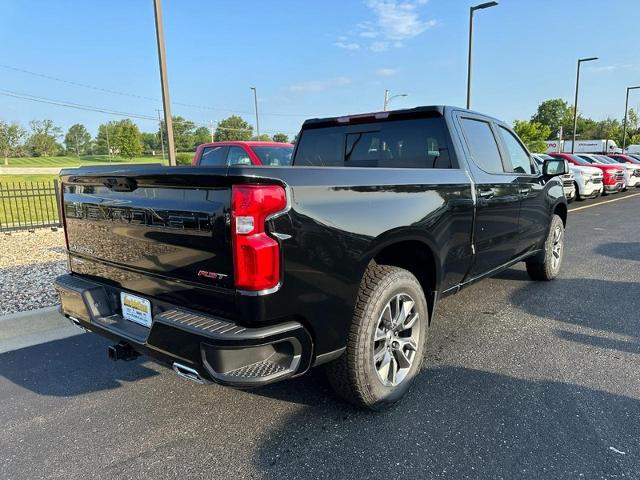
point(571, 184)
point(630, 178)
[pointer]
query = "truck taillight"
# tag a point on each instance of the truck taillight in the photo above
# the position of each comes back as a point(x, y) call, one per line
point(256, 256)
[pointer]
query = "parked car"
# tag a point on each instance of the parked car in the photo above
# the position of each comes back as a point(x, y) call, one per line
point(243, 153)
point(588, 180)
point(568, 180)
point(633, 156)
point(632, 164)
point(631, 172)
point(613, 176)
point(246, 275)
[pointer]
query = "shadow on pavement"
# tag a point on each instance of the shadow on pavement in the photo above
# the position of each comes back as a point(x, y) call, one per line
point(457, 423)
point(71, 366)
point(600, 342)
point(620, 250)
point(586, 302)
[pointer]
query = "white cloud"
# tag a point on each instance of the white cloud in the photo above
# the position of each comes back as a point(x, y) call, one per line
point(394, 21)
point(314, 86)
point(386, 72)
point(399, 20)
point(347, 45)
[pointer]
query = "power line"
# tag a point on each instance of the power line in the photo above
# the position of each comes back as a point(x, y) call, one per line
point(144, 97)
point(91, 108)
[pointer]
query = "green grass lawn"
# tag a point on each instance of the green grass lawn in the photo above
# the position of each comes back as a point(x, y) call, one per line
point(17, 206)
point(70, 161)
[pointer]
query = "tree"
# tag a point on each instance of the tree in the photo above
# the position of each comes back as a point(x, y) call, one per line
point(554, 114)
point(77, 139)
point(281, 137)
point(262, 138)
point(634, 140)
point(233, 128)
point(533, 134)
point(127, 139)
point(150, 142)
point(43, 141)
point(11, 134)
point(201, 135)
point(105, 139)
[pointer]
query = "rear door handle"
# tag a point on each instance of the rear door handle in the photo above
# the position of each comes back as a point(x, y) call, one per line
point(487, 193)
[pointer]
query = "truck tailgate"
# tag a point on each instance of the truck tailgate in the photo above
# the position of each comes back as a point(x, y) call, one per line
point(145, 228)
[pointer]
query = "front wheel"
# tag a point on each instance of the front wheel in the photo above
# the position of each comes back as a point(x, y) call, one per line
point(546, 265)
point(386, 341)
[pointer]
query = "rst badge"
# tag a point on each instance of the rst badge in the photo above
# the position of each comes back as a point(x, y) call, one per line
point(211, 275)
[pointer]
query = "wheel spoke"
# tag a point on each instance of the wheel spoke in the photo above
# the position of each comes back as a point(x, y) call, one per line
point(380, 334)
point(383, 369)
point(387, 315)
point(402, 358)
point(408, 323)
point(396, 314)
point(393, 369)
point(379, 355)
point(408, 343)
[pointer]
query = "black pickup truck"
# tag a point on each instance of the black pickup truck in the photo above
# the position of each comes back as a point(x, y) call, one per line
point(246, 275)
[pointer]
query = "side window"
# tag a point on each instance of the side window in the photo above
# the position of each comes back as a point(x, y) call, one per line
point(482, 145)
point(238, 156)
point(520, 160)
point(214, 156)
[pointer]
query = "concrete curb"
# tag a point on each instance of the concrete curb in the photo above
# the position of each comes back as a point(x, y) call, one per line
point(28, 313)
point(34, 327)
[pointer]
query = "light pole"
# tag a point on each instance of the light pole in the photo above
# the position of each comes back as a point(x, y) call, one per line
point(471, 11)
point(388, 98)
point(575, 103)
point(626, 110)
point(255, 101)
point(164, 81)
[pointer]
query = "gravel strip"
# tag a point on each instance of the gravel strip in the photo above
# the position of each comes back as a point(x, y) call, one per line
point(29, 262)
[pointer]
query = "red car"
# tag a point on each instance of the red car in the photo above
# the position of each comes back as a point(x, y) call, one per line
point(612, 176)
point(224, 154)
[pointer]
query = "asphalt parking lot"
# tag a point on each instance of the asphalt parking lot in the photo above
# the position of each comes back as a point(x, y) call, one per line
point(522, 380)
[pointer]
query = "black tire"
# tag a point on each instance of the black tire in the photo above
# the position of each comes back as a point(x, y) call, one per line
point(579, 197)
point(355, 376)
point(546, 265)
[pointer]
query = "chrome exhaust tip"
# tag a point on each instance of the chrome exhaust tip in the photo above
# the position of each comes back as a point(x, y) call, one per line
point(188, 373)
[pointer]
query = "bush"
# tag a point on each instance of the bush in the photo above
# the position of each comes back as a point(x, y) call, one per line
point(184, 158)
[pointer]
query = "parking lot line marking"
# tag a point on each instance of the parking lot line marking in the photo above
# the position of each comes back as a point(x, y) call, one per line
point(602, 203)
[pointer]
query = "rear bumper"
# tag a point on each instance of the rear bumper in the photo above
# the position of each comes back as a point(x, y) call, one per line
point(217, 349)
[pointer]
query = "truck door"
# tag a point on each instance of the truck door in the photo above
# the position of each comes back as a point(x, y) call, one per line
point(534, 216)
point(497, 195)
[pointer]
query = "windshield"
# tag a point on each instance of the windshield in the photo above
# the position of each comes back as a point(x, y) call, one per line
point(635, 157)
point(274, 156)
point(605, 159)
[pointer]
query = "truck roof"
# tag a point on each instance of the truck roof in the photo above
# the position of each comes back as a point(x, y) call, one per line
point(422, 111)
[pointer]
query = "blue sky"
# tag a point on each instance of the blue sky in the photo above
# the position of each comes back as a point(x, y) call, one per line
point(312, 58)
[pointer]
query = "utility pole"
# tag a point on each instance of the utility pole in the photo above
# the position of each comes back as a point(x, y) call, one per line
point(77, 148)
point(626, 112)
point(164, 81)
point(386, 100)
point(211, 129)
point(575, 103)
point(255, 101)
point(470, 56)
point(161, 134)
point(106, 129)
point(560, 135)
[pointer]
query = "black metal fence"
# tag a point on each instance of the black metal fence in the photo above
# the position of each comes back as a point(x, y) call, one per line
point(29, 205)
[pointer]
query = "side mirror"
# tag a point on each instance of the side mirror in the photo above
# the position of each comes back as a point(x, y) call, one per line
point(555, 167)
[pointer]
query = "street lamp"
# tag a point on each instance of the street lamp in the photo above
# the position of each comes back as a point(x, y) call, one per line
point(255, 101)
point(575, 103)
point(471, 11)
point(388, 98)
point(626, 109)
point(164, 81)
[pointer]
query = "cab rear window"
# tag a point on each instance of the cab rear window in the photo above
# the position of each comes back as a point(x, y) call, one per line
point(413, 143)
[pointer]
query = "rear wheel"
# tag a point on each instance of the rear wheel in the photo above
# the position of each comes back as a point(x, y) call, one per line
point(386, 342)
point(546, 265)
